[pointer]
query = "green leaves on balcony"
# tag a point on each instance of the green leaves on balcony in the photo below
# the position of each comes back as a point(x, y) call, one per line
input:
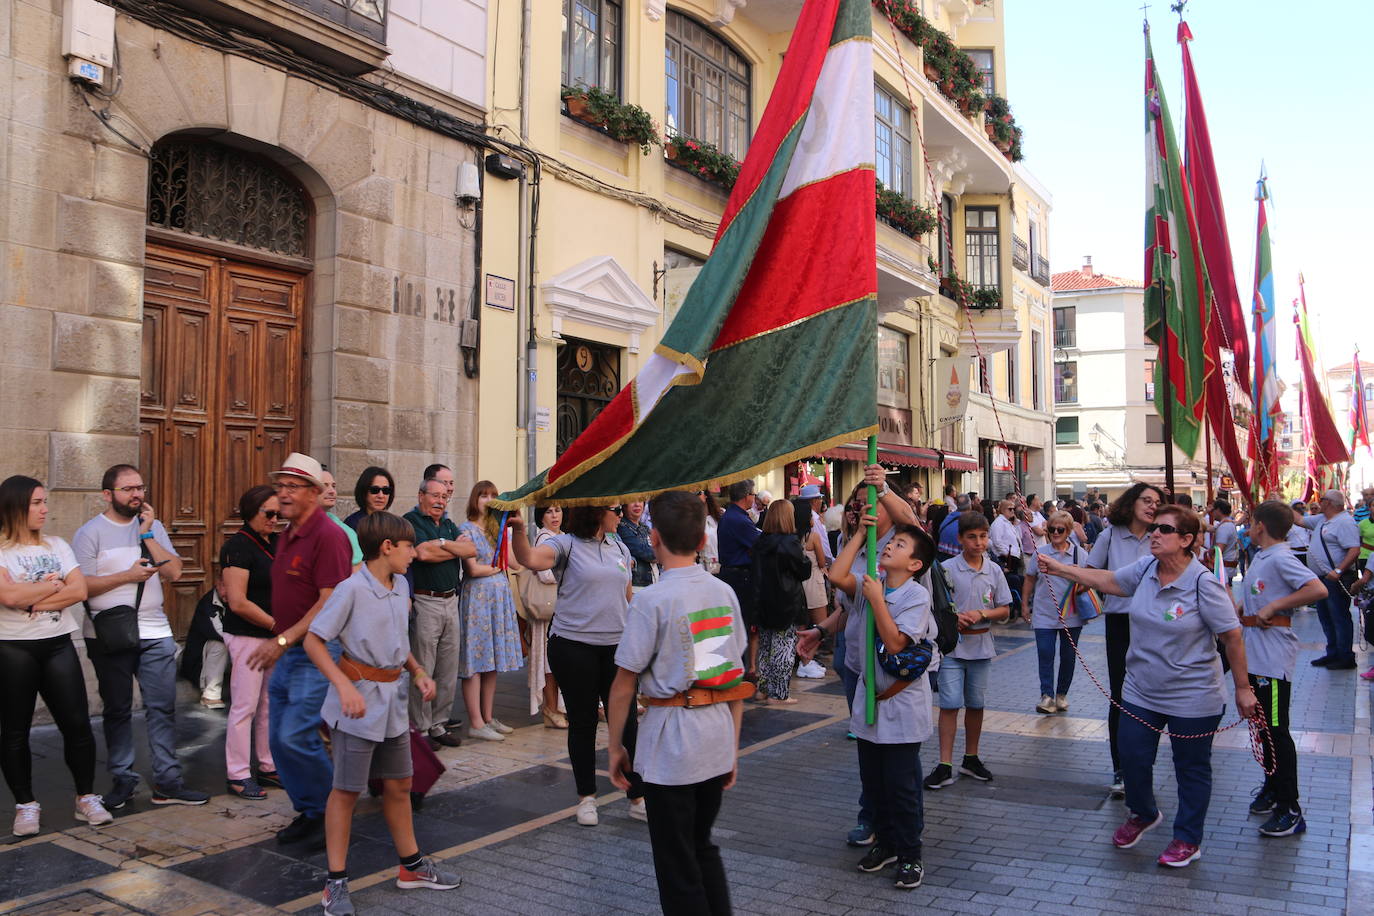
point(704, 160)
point(904, 214)
point(620, 120)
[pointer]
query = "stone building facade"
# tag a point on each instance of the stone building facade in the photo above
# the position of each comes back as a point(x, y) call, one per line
point(211, 261)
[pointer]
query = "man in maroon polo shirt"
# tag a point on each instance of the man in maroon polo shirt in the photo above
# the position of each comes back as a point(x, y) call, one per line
point(312, 557)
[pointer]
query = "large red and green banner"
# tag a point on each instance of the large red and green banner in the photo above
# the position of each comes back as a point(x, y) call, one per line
point(772, 356)
point(1268, 413)
point(1175, 279)
point(1325, 444)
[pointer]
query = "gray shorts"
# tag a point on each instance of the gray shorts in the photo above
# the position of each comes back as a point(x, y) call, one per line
point(356, 760)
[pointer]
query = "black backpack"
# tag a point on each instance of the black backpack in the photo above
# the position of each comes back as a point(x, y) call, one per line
point(942, 608)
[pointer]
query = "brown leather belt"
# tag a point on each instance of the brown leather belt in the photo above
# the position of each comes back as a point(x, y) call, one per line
point(975, 632)
point(1278, 620)
point(694, 697)
point(356, 671)
point(430, 594)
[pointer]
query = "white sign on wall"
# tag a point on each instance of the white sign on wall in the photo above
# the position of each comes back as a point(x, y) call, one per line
point(952, 376)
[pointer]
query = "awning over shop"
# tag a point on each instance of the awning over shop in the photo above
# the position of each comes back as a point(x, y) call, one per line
point(956, 461)
point(907, 456)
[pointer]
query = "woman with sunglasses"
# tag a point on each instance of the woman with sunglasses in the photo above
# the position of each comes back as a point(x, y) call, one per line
point(593, 571)
point(374, 492)
point(1040, 602)
point(246, 561)
point(1178, 611)
point(1120, 545)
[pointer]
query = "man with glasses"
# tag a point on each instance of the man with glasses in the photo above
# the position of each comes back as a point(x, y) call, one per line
point(1331, 554)
point(312, 557)
point(126, 555)
point(328, 499)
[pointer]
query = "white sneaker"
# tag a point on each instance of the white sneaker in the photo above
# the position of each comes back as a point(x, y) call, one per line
point(500, 727)
point(1046, 704)
point(586, 812)
point(1061, 702)
point(91, 809)
point(485, 733)
point(638, 810)
point(812, 669)
point(26, 819)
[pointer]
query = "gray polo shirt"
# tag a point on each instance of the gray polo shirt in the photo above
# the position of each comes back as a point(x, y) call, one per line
point(854, 621)
point(976, 590)
point(1115, 548)
point(1046, 600)
point(1331, 538)
point(1228, 539)
point(685, 629)
point(904, 718)
point(1172, 666)
point(1274, 573)
point(369, 621)
point(592, 578)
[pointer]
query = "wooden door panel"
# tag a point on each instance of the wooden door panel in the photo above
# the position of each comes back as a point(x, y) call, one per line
point(263, 291)
point(277, 444)
point(189, 464)
point(177, 275)
point(242, 360)
point(194, 361)
point(242, 468)
point(280, 372)
point(153, 395)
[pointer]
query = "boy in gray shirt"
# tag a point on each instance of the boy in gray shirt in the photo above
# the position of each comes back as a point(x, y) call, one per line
point(366, 703)
point(682, 647)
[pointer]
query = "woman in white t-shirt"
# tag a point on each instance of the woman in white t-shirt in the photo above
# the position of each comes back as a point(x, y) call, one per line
point(39, 580)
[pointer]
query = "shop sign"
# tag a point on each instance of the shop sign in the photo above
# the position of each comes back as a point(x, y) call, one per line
point(952, 376)
point(894, 425)
point(1001, 458)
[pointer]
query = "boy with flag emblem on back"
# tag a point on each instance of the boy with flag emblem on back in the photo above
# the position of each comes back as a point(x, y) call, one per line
point(1275, 584)
point(683, 643)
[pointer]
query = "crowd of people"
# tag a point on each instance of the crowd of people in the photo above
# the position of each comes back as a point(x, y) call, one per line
point(391, 628)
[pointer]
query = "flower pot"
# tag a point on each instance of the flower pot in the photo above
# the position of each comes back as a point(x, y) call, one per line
point(992, 131)
point(1003, 145)
point(671, 152)
point(932, 73)
point(579, 109)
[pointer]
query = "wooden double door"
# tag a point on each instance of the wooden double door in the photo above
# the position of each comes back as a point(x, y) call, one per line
point(223, 389)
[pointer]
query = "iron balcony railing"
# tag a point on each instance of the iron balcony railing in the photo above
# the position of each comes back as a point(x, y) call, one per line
point(1066, 337)
point(1040, 270)
point(366, 17)
point(1020, 253)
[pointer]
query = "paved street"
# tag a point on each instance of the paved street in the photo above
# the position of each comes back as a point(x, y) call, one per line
point(1034, 840)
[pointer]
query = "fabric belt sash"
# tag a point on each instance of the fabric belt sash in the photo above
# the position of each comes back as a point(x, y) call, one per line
point(694, 697)
point(1278, 620)
point(356, 671)
point(976, 632)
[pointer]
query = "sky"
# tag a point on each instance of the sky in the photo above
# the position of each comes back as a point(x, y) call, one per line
point(1279, 87)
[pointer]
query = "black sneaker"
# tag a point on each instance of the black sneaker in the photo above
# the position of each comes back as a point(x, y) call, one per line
point(878, 858)
point(1284, 823)
point(861, 835)
point(1344, 664)
point(304, 828)
point(178, 795)
point(1264, 801)
point(909, 875)
point(1320, 662)
point(119, 796)
point(939, 777)
point(972, 766)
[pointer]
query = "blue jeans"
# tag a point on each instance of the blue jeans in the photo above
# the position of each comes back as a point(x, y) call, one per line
point(154, 664)
point(892, 773)
point(963, 682)
point(1045, 640)
point(851, 686)
point(1138, 746)
point(295, 695)
point(1334, 613)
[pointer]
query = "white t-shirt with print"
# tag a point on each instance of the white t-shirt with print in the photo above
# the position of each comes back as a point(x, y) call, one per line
point(30, 563)
point(104, 548)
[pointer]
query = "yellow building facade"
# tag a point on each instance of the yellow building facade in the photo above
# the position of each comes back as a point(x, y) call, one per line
point(619, 234)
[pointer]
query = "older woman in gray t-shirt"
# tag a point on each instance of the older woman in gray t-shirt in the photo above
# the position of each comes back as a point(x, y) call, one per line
point(1173, 675)
point(593, 570)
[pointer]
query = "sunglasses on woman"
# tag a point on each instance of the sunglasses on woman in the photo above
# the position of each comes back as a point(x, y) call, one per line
point(383, 491)
point(271, 514)
point(1056, 529)
point(1162, 529)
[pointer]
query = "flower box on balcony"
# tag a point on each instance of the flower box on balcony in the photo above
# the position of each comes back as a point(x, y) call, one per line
point(702, 159)
point(904, 214)
point(619, 120)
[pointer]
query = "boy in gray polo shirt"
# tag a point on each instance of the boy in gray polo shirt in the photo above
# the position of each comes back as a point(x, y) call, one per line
point(1275, 584)
point(366, 703)
point(981, 595)
point(683, 643)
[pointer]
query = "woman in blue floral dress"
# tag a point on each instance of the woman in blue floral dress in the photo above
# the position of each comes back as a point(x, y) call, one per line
point(491, 636)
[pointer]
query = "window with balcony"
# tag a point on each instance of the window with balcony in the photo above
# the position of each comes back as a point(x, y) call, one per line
point(981, 247)
point(1150, 379)
point(1066, 431)
point(984, 376)
point(892, 129)
point(1037, 359)
point(946, 235)
point(1154, 429)
point(1013, 395)
point(1066, 326)
point(708, 86)
point(893, 387)
point(1066, 382)
point(983, 58)
point(591, 44)
point(367, 17)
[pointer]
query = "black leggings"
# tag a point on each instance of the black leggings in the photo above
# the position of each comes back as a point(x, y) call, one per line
point(584, 673)
point(1118, 633)
point(47, 667)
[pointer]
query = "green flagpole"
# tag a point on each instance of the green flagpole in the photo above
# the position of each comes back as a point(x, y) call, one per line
point(870, 629)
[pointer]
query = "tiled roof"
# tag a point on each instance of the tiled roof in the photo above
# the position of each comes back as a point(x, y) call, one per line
point(1086, 279)
point(1349, 366)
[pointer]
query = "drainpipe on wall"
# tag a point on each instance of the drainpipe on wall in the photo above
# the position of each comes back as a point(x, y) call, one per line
point(528, 385)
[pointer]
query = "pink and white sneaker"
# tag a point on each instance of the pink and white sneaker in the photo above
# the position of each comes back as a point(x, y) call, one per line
point(1129, 833)
point(1368, 675)
point(1179, 854)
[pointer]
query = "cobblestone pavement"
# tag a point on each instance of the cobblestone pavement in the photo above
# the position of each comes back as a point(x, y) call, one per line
point(1033, 840)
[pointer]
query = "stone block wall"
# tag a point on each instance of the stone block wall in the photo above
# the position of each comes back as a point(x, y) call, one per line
point(392, 262)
